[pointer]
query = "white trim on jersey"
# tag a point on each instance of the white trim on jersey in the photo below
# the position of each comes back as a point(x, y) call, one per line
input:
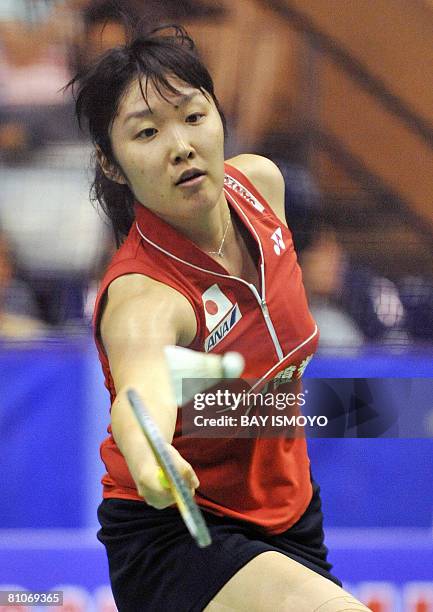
point(261, 298)
point(269, 372)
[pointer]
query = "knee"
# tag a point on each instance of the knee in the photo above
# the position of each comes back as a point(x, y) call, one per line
point(342, 603)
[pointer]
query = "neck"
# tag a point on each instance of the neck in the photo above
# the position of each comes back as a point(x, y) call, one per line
point(207, 230)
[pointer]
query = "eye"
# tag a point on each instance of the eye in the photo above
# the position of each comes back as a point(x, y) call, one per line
point(194, 117)
point(147, 133)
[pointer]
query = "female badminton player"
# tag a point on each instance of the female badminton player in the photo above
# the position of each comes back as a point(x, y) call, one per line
point(205, 261)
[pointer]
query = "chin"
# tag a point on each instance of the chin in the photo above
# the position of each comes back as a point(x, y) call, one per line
point(209, 204)
point(202, 202)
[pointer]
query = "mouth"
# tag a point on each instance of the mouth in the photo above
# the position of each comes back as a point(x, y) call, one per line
point(191, 177)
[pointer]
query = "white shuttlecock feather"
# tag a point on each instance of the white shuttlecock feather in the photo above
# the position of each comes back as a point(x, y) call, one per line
point(193, 371)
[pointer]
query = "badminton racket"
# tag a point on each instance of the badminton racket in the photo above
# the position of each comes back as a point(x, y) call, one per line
point(169, 475)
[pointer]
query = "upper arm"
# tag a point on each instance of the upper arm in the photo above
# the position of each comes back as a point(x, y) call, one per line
point(142, 316)
point(266, 178)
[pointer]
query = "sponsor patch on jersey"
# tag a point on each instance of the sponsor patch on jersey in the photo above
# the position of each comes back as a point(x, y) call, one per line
point(225, 327)
point(229, 181)
point(216, 306)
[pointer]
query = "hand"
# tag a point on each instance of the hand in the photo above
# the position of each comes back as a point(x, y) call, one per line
point(152, 487)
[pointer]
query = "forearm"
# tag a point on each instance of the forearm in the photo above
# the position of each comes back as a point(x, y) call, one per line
point(129, 437)
point(138, 454)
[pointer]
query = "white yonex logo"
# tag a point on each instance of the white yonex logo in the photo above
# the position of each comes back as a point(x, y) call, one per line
point(277, 237)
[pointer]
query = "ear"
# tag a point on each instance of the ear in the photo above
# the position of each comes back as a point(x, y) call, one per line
point(110, 170)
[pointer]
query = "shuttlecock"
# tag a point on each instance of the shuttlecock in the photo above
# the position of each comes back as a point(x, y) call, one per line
point(193, 372)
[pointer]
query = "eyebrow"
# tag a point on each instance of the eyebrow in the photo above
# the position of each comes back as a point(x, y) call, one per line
point(145, 112)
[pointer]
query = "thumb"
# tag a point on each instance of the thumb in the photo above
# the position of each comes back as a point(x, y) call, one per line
point(185, 469)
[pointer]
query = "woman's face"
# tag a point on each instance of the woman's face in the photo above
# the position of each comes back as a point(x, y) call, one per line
point(155, 147)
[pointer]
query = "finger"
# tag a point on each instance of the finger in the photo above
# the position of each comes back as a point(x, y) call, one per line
point(185, 468)
point(194, 481)
point(191, 477)
point(159, 502)
point(156, 494)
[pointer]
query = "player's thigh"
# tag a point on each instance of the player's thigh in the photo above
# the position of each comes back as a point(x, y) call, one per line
point(272, 582)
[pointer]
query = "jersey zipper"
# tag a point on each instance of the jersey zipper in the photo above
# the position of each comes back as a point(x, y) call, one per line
point(268, 321)
point(261, 299)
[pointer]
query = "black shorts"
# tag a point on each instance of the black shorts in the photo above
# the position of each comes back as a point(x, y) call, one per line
point(155, 566)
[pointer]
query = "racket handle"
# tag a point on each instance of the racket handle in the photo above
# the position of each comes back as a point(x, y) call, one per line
point(163, 479)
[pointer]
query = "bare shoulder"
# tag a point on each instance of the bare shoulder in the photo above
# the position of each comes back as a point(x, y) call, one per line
point(261, 171)
point(141, 306)
point(138, 286)
point(266, 178)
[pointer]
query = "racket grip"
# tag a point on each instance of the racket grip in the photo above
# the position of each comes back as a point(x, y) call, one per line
point(163, 479)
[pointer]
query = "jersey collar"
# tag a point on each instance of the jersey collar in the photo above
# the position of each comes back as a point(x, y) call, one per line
point(161, 234)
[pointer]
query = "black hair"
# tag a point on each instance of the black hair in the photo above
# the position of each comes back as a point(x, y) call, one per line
point(154, 57)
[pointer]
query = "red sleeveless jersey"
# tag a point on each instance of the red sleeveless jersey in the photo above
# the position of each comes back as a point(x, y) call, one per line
point(264, 481)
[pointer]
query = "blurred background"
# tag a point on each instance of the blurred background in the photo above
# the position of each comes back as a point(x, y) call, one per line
point(339, 94)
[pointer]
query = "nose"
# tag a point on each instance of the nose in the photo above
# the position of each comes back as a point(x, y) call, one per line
point(181, 149)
